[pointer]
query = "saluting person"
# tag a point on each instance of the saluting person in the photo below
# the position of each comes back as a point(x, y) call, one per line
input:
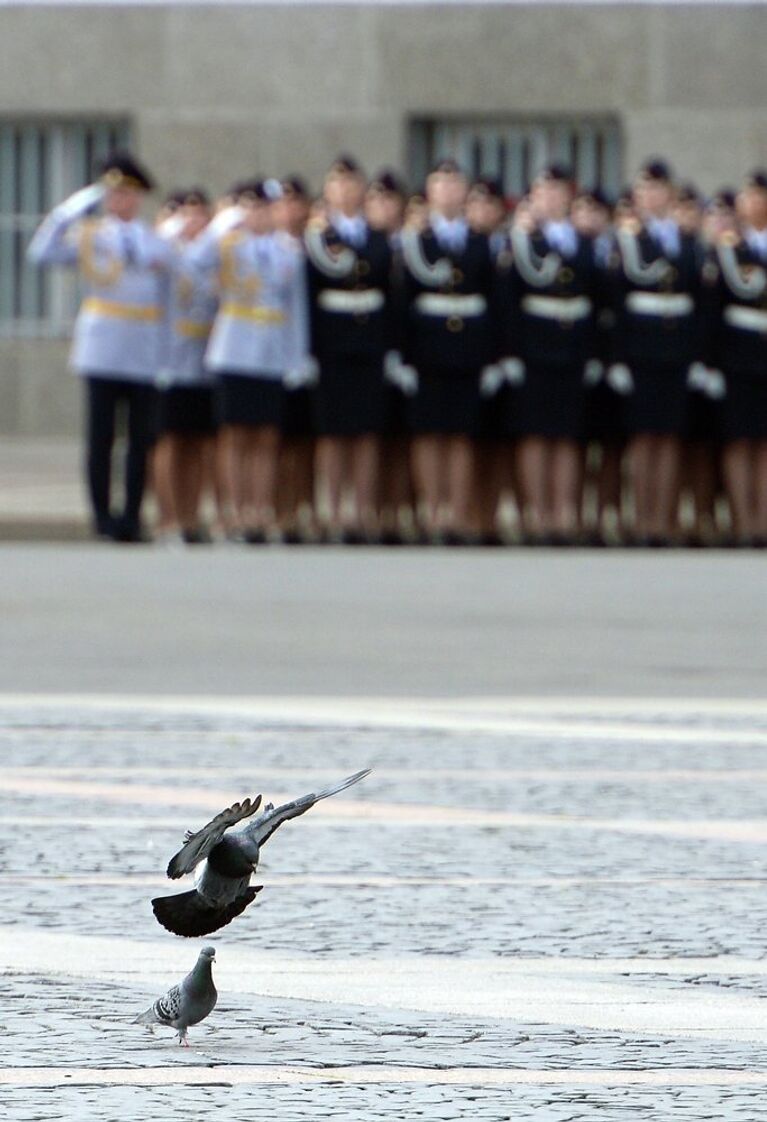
point(350, 276)
point(188, 416)
point(385, 202)
point(448, 337)
point(654, 285)
point(259, 339)
point(118, 336)
point(735, 315)
point(295, 474)
point(549, 320)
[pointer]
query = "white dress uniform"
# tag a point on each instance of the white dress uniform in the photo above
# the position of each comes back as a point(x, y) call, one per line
point(187, 399)
point(260, 335)
point(118, 335)
point(123, 265)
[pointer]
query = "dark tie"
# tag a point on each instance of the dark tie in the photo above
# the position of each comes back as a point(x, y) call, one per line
point(129, 247)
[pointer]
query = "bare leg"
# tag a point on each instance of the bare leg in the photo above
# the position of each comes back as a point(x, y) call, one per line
point(364, 471)
point(427, 456)
point(224, 474)
point(565, 465)
point(395, 486)
point(160, 475)
point(737, 470)
point(760, 490)
point(264, 443)
point(490, 473)
point(187, 468)
point(295, 482)
point(702, 469)
point(640, 457)
point(665, 472)
point(460, 477)
point(531, 474)
point(241, 475)
point(331, 463)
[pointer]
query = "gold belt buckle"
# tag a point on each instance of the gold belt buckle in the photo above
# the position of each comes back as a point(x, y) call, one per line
point(454, 323)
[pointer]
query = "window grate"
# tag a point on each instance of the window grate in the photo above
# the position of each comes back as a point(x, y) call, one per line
point(40, 165)
point(515, 151)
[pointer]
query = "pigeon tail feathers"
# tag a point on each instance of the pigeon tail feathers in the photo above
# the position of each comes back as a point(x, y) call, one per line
point(187, 914)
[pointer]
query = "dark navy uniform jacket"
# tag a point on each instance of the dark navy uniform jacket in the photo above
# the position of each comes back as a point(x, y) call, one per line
point(549, 303)
point(735, 309)
point(448, 306)
point(655, 301)
point(350, 296)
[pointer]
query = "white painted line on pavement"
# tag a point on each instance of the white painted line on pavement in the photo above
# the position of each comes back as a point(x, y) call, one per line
point(239, 1075)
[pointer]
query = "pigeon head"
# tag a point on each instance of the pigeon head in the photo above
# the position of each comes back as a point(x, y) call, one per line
point(208, 953)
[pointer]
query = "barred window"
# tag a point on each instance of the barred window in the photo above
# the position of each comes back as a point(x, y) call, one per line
point(514, 151)
point(40, 165)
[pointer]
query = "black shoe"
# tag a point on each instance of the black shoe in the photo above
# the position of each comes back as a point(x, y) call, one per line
point(255, 537)
point(455, 538)
point(104, 526)
point(129, 533)
point(354, 535)
point(197, 536)
point(491, 540)
point(391, 538)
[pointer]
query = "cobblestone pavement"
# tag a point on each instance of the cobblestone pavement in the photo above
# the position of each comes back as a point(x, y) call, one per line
point(553, 913)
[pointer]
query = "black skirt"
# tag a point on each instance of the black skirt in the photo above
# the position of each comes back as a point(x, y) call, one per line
point(297, 413)
point(704, 418)
point(447, 403)
point(395, 421)
point(349, 399)
point(250, 400)
point(744, 407)
point(659, 402)
point(549, 403)
point(188, 409)
point(604, 420)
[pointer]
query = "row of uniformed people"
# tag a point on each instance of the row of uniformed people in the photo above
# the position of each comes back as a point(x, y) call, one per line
point(450, 324)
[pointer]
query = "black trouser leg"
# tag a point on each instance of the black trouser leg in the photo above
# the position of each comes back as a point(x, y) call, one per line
point(141, 407)
point(101, 401)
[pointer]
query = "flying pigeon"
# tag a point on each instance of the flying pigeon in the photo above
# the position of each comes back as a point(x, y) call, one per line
point(223, 888)
point(188, 1003)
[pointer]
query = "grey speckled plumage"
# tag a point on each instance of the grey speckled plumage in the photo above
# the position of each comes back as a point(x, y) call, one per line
point(189, 1002)
point(228, 859)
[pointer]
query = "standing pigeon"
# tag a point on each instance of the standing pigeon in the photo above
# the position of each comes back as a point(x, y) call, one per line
point(229, 859)
point(189, 1002)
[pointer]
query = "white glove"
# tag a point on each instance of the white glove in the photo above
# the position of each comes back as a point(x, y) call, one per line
point(592, 372)
point(513, 370)
point(227, 219)
point(400, 374)
point(707, 380)
point(491, 379)
point(697, 377)
point(619, 378)
point(171, 227)
point(307, 373)
point(716, 386)
point(81, 202)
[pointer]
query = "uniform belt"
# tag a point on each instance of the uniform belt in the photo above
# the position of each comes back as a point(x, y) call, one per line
point(443, 304)
point(567, 308)
point(255, 314)
point(141, 313)
point(749, 319)
point(660, 303)
point(192, 329)
point(358, 302)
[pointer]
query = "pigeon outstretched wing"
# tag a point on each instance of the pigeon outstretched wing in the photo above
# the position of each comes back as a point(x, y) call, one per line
point(198, 845)
point(265, 825)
